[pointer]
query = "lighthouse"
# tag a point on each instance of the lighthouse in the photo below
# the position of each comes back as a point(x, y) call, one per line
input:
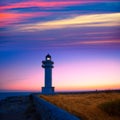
point(47, 64)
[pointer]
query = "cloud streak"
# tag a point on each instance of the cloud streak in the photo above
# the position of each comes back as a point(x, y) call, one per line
point(48, 4)
point(97, 42)
point(13, 12)
point(87, 43)
point(9, 18)
point(94, 20)
point(44, 4)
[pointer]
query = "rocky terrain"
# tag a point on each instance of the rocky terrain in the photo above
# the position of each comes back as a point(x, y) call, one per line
point(18, 108)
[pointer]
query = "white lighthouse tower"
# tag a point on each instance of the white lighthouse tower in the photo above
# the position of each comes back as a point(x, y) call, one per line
point(47, 64)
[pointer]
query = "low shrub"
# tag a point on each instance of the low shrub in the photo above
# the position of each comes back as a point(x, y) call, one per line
point(112, 108)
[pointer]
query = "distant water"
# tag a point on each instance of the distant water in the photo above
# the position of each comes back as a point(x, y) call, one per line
point(4, 95)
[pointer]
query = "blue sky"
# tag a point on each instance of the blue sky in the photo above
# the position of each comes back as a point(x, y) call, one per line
point(78, 34)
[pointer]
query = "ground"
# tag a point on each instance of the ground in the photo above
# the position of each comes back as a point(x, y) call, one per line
point(87, 106)
point(17, 108)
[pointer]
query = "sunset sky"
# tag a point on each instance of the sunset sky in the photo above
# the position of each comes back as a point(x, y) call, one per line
point(82, 36)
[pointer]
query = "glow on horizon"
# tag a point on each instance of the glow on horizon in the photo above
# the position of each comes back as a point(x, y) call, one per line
point(89, 75)
point(81, 75)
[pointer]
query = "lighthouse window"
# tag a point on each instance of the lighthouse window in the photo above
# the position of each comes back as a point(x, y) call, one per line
point(48, 58)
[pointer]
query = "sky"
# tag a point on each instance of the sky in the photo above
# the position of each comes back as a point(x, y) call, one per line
point(82, 36)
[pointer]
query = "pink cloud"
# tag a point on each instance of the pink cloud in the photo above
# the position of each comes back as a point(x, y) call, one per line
point(42, 4)
point(8, 18)
point(98, 42)
point(45, 4)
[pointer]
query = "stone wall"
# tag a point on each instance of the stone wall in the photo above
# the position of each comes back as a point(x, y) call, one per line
point(48, 111)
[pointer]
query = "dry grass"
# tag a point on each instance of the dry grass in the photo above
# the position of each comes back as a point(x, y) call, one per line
point(85, 106)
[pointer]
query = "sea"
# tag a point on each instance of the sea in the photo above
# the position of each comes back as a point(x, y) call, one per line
point(4, 95)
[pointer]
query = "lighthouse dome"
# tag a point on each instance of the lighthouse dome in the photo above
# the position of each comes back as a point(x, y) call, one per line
point(48, 57)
